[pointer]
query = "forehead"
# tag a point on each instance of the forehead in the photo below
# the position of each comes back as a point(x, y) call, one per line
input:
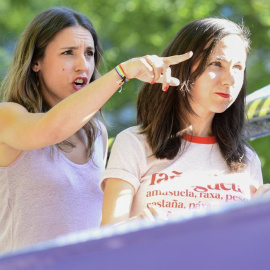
point(231, 48)
point(74, 35)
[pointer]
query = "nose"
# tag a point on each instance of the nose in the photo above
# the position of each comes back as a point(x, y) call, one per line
point(228, 78)
point(81, 63)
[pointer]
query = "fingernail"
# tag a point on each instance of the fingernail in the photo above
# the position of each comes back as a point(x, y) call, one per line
point(166, 89)
point(153, 82)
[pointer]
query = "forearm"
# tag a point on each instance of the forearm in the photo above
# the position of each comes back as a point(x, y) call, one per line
point(25, 131)
point(72, 113)
point(118, 197)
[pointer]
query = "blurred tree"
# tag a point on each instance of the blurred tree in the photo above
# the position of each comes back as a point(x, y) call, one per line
point(130, 28)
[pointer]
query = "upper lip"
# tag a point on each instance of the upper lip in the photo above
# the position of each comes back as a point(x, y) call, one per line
point(83, 80)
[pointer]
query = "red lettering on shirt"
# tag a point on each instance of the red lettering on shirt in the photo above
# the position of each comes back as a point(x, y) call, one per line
point(157, 178)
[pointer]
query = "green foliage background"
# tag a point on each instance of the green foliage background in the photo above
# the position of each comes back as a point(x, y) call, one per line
point(130, 28)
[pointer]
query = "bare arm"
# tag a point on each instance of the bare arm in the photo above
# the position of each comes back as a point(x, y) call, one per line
point(118, 197)
point(24, 131)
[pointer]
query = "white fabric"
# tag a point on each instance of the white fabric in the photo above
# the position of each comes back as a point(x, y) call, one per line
point(198, 179)
point(44, 196)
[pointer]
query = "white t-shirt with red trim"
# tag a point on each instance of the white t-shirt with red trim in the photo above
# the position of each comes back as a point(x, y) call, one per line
point(196, 179)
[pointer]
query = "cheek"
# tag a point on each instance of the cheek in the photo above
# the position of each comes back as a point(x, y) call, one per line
point(64, 70)
point(64, 66)
point(207, 78)
point(212, 75)
point(91, 68)
point(235, 93)
point(205, 81)
point(238, 85)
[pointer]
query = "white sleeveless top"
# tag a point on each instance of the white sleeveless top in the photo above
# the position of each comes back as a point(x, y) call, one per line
point(44, 196)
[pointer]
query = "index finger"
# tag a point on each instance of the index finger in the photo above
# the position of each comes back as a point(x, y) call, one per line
point(176, 59)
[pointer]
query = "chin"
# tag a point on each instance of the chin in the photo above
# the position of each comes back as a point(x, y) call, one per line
point(221, 110)
point(223, 107)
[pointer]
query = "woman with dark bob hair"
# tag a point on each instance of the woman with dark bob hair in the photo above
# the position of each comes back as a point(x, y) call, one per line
point(52, 147)
point(188, 151)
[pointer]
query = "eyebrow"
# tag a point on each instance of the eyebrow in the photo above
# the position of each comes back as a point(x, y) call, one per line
point(76, 48)
point(221, 58)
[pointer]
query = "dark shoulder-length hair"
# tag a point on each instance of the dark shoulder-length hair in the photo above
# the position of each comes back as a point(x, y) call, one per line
point(162, 115)
point(21, 83)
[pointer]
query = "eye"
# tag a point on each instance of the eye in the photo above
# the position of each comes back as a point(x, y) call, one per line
point(90, 53)
point(216, 64)
point(68, 52)
point(240, 67)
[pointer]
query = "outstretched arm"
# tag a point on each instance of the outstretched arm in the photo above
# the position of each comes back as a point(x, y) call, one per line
point(24, 131)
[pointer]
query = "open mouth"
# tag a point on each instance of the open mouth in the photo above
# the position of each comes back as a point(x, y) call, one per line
point(79, 83)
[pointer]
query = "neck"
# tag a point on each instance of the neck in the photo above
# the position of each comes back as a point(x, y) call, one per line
point(201, 126)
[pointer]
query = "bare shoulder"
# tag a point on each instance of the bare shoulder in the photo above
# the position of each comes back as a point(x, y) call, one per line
point(9, 110)
point(11, 105)
point(7, 107)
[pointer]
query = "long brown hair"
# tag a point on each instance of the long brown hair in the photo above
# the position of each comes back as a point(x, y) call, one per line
point(21, 84)
point(162, 115)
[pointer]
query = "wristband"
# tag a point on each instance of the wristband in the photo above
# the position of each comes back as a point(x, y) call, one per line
point(121, 74)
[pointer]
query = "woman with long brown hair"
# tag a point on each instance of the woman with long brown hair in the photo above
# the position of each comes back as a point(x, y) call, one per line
point(188, 151)
point(52, 147)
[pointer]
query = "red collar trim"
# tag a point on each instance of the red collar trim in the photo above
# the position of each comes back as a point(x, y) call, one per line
point(200, 140)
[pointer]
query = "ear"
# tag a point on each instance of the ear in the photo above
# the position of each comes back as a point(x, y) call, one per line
point(35, 66)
